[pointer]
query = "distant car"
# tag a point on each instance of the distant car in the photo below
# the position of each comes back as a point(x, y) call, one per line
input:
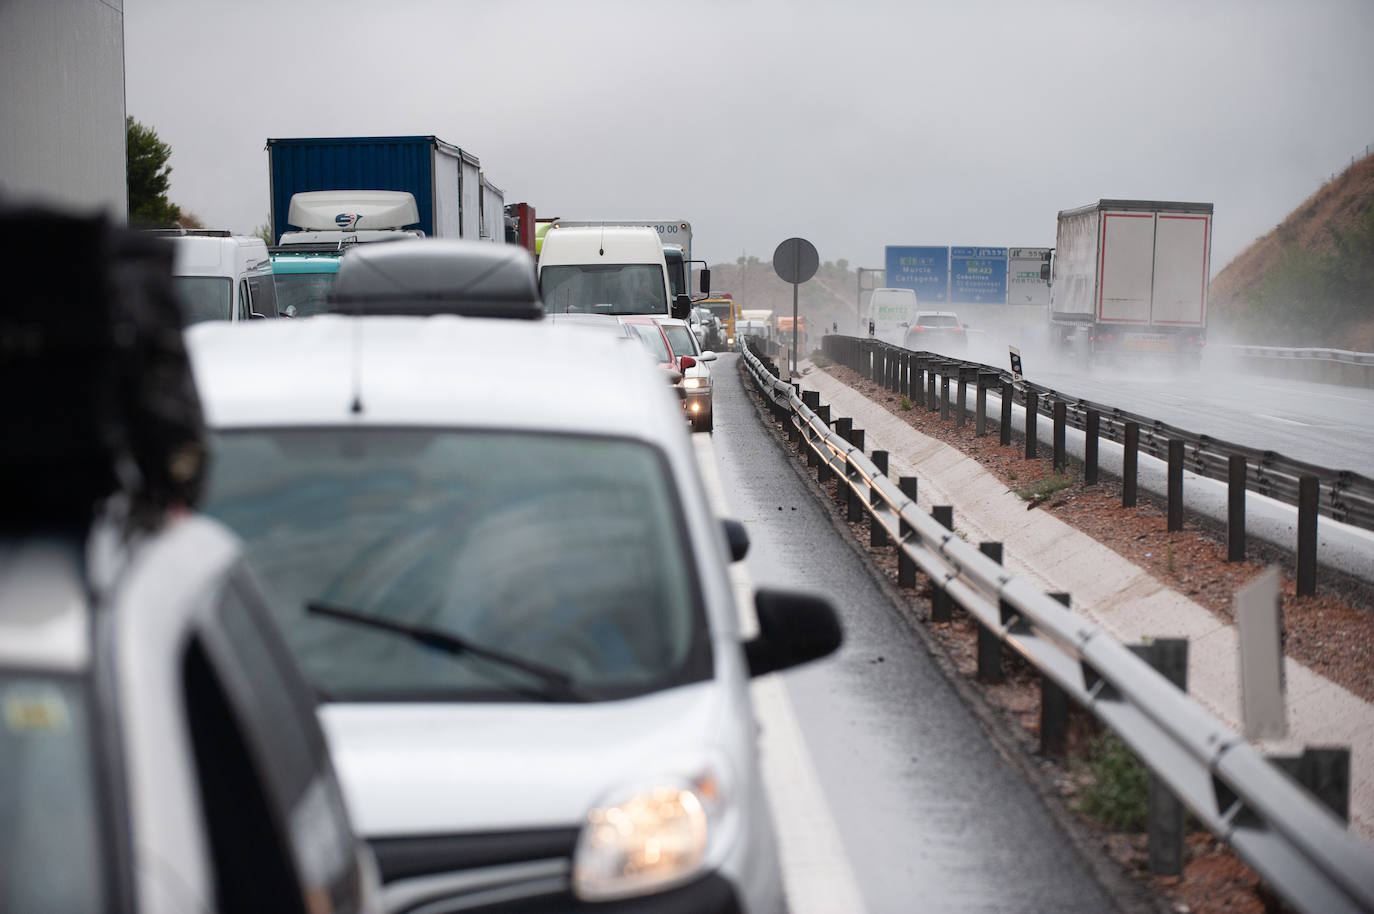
point(655, 338)
point(936, 331)
point(438, 276)
point(707, 328)
point(513, 599)
point(690, 359)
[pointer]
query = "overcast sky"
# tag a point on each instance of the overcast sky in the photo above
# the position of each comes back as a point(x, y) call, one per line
point(854, 125)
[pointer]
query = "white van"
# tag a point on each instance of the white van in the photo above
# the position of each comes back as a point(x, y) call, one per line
point(890, 313)
point(222, 277)
point(613, 269)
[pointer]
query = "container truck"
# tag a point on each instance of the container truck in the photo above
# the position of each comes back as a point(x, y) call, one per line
point(1130, 278)
point(452, 198)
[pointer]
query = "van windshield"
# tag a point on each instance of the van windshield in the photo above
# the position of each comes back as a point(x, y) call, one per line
point(205, 298)
point(610, 288)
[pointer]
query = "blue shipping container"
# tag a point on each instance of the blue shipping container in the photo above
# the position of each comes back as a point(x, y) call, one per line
point(418, 164)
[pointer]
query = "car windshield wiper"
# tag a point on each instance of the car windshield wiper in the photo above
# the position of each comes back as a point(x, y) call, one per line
point(557, 685)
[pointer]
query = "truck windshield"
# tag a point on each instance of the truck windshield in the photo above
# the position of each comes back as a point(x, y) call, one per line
point(613, 288)
point(205, 298)
point(307, 293)
point(49, 803)
point(561, 550)
point(677, 272)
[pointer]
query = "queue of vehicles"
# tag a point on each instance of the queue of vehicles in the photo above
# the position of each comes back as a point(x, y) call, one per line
point(508, 721)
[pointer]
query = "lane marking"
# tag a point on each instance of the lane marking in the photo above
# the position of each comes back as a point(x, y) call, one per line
point(816, 871)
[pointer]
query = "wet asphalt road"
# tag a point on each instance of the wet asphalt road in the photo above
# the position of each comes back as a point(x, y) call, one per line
point(928, 813)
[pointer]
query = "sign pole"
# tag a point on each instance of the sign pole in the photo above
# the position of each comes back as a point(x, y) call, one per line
point(795, 261)
point(795, 287)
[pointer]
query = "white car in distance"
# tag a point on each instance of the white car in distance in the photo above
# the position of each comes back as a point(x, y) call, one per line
point(513, 597)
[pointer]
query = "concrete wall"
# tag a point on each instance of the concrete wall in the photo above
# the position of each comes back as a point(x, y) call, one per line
point(62, 103)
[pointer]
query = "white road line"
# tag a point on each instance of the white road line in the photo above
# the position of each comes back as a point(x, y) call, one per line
point(1283, 420)
point(815, 868)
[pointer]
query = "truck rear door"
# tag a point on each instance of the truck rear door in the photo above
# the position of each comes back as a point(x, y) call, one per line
point(1180, 269)
point(1126, 270)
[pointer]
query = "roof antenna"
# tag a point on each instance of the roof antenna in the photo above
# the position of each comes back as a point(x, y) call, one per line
point(357, 406)
point(602, 252)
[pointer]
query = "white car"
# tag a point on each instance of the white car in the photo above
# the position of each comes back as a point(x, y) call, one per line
point(512, 596)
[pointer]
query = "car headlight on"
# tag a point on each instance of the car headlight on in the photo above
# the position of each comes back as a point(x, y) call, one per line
point(649, 839)
point(695, 383)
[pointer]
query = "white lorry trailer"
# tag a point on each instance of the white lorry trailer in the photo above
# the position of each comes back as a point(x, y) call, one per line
point(1130, 278)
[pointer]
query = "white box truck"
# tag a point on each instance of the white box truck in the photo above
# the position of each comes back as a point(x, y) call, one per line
point(1130, 278)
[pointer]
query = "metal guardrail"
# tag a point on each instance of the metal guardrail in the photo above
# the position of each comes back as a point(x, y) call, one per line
point(1297, 845)
point(1342, 495)
point(1344, 356)
point(1324, 366)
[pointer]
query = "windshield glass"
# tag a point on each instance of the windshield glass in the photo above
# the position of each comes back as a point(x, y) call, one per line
point(204, 298)
point(561, 550)
point(613, 288)
point(308, 293)
point(49, 806)
point(650, 336)
point(681, 339)
point(721, 311)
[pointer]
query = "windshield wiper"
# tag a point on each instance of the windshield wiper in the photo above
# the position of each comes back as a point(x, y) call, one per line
point(557, 684)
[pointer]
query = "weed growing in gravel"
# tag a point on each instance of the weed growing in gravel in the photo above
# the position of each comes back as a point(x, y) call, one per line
point(1039, 491)
point(1119, 796)
point(1169, 557)
point(905, 404)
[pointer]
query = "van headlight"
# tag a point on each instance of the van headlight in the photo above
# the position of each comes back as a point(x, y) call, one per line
point(651, 838)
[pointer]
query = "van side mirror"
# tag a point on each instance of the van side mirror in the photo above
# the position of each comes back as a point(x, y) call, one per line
point(1045, 271)
point(794, 628)
point(682, 306)
point(705, 281)
point(737, 538)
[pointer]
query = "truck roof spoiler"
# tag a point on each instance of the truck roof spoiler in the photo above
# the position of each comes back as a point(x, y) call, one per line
point(335, 210)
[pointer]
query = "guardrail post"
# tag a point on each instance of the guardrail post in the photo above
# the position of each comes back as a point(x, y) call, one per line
point(980, 406)
point(906, 373)
point(944, 394)
point(1054, 709)
point(961, 404)
point(1307, 535)
point(940, 605)
point(1235, 508)
point(1323, 771)
point(989, 644)
point(877, 536)
point(931, 402)
point(906, 568)
point(1061, 411)
point(855, 510)
point(1175, 484)
point(894, 370)
point(1004, 432)
point(1164, 820)
point(1032, 412)
point(1094, 424)
point(1130, 460)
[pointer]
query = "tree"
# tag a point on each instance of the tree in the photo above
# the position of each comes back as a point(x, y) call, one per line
point(264, 232)
point(149, 178)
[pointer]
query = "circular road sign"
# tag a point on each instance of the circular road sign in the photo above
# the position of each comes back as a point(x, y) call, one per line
point(796, 260)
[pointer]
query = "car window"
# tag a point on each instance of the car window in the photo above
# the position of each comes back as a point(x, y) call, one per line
point(681, 339)
point(204, 298)
point(652, 337)
point(615, 288)
point(51, 855)
point(263, 294)
point(558, 549)
point(245, 301)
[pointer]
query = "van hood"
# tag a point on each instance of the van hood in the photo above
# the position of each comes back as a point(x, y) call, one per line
point(414, 769)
